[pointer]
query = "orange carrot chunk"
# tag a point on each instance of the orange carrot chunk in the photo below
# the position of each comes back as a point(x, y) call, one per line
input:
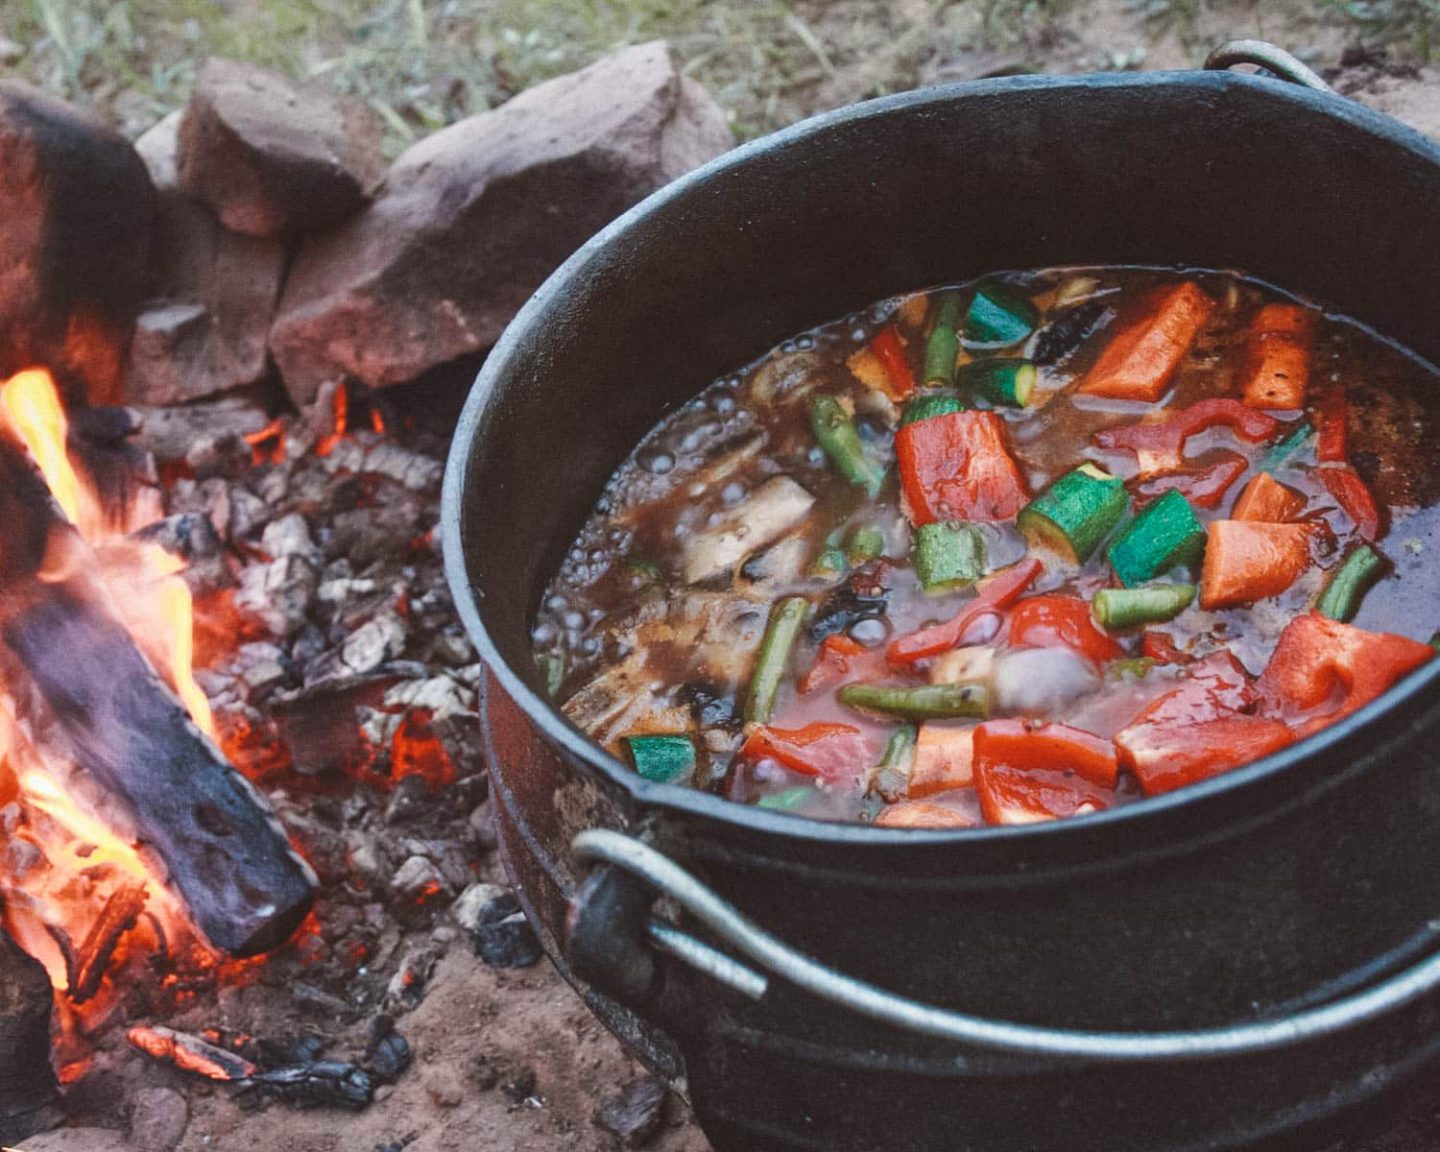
point(1277, 357)
point(1247, 561)
point(1140, 360)
point(1266, 500)
point(943, 760)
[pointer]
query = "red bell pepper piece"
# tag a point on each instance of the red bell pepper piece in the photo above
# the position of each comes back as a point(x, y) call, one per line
point(958, 467)
point(1161, 648)
point(1248, 560)
point(1203, 487)
point(1353, 495)
point(1142, 357)
point(1333, 417)
point(1024, 774)
point(1055, 621)
point(840, 659)
point(889, 349)
point(1276, 369)
point(1159, 445)
point(1208, 689)
point(1165, 757)
point(999, 591)
point(1327, 669)
point(944, 760)
point(914, 814)
point(831, 751)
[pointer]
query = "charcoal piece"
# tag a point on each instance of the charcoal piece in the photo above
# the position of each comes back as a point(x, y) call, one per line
point(191, 1054)
point(324, 1083)
point(120, 914)
point(388, 1058)
point(1070, 329)
point(190, 536)
point(508, 943)
point(634, 1115)
point(409, 800)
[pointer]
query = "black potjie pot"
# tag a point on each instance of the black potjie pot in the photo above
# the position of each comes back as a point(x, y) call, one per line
point(1249, 960)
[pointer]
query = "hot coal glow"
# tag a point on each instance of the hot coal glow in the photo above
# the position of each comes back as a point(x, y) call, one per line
point(91, 886)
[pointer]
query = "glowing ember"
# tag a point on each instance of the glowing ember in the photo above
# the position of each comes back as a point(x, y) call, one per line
point(341, 422)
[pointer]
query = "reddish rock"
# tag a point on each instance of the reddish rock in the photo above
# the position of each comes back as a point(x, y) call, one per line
point(473, 218)
point(273, 157)
point(77, 214)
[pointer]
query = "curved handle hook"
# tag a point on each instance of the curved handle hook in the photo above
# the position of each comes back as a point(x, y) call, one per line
point(775, 957)
point(1268, 56)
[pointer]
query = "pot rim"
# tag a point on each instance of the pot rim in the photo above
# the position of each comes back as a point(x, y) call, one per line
point(1418, 689)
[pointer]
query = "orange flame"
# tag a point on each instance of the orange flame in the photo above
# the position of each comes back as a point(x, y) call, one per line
point(33, 405)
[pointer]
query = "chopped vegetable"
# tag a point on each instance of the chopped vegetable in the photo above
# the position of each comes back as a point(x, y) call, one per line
point(1203, 487)
point(958, 467)
point(891, 777)
point(829, 751)
point(1143, 356)
point(866, 543)
point(948, 555)
point(759, 520)
point(1165, 534)
point(1329, 669)
point(829, 563)
point(998, 318)
point(1159, 446)
point(837, 660)
point(882, 366)
point(1331, 441)
point(1277, 356)
point(942, 349)
point(1164, 757)
point(1005, 382)
point(1135, 667)
point(790, 800)
point(998, 592)
point(1161, 648)
point(1248, 560)
point(1282, 452)
point(1119, 609)
point(922, 702)
point(1075, 514)
point(928, 407)
point(552, 670)
point(912, 814)
point(943, 757)
point(662, 759)
point(1349, 583)
point(1026, 773)
point(836, 433)
point(786, 619)
point(1266, 499)
point(1353, 495)
point(1056, 621)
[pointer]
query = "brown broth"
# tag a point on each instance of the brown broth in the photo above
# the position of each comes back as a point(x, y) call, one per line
point(637, 650)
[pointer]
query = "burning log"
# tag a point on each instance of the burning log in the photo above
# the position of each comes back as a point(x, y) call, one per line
point(120, 914)
point(94, 698)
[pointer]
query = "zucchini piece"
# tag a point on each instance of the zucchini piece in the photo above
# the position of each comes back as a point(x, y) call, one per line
point(942, 349)
point(1117, 609)
point(1075, 513)
point(1166, 533)
point(928, 407)
point(1005, 382)
point(948, 554)
point(924, 702)
point(783, 627)
point(866, 543)
point(998, 317)
point(828, 565)
point(662, 759)
point(836, 433)
point(1347, 587)
point(1287, 447)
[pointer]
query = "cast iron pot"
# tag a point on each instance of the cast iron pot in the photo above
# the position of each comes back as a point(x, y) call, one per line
point(1244, 961)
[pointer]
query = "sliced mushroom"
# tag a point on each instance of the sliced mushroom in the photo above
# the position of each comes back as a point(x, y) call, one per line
point(768, 513)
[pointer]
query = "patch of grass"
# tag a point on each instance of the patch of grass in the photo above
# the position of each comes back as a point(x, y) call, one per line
point(423, 64)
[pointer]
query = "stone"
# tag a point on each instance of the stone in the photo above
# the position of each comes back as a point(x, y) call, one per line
point(77, 224)
point(473, 218)
point(272, 157)
point(213, 297)
point(635, 1114)
point(158, 1119)
point(471, 904)
point(158, 147)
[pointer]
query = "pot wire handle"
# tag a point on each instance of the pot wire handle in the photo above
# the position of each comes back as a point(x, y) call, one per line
point(1268, 56)
point(776, 958)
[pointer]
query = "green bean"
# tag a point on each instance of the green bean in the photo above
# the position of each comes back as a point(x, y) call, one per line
point(783, 627)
